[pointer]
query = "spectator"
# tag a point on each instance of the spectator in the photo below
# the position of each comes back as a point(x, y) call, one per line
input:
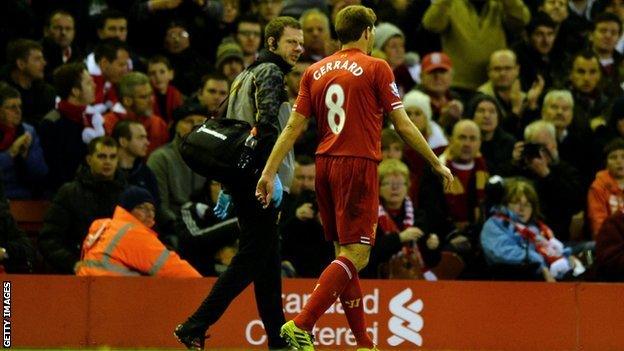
point(518, 244)
point(136, 104)
point(610, 248)
point(503, 85)
point(125, 245)
point(390, 41)
point(536, 56)
point(607, 29)
point(303, 242)
point(471, 31)
point(293, 78)
point(606, 195)
point(58, 41)
point(613, 128)
point(112, 59)
point(267, 9)
point(436, 77)
point(25, 72)
point(571, 143)
point(215, 89)
point(248, 36)
point(496, 144)
point(91, 195)
point(615, 7)
point(185, 60)
point(557, 183)
point(16, 252)
point(572, 29)
point(459, 206)
point(112, 24)
point(316, 35)
point(391, 144)
point(21, 158)
point(176, 181)
point(66, 130)
point(166, 97)
point(133, 144)
point(401, 229)
point(418, 108)
point(585, 85)
point(230, 60)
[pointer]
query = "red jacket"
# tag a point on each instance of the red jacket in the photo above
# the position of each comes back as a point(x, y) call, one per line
point(123, 246)
point(603, 199)
point(157, 131)
point(174, 99)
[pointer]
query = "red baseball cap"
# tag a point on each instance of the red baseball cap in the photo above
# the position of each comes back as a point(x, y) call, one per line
point(436, 60)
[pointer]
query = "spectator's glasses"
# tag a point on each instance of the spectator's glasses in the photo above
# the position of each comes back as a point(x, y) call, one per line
point(393, 185)
point(249, 33)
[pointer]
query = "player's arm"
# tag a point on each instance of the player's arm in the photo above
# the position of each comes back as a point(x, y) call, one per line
point(294, 127)
point(412, 136)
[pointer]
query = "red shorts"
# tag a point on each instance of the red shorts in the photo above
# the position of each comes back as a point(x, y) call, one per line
point(347, 191)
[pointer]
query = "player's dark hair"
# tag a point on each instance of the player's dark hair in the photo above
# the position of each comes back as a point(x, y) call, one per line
point(67, 77)
point(122, 129)
point(109, 14)
point(352, 21)
point(8, 92)
point(20, 49)
point(160, 59)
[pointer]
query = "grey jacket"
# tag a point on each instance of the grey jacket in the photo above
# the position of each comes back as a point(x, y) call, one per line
point(258, 94)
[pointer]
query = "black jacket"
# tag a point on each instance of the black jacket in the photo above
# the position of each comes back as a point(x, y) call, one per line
point(36, 100)
point(498, 150)
point(76, 205)
point(19, 249)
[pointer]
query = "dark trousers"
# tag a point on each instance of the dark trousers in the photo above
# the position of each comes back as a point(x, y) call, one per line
point(257, 261)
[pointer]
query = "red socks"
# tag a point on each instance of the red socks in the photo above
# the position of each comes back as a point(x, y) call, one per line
point(339, 279)
point(353, 306)
point(329, 287)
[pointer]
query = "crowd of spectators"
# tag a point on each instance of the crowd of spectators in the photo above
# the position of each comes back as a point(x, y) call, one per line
point(96, 96)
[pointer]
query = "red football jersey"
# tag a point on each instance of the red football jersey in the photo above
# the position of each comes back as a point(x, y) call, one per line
point(347, 93)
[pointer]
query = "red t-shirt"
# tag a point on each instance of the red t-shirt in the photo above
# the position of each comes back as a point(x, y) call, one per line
point(348, 92)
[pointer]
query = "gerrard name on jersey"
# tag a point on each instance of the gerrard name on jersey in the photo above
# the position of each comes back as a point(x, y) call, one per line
point(354, 68)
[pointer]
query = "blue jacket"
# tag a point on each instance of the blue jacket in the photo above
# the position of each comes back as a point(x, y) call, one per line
point(502, 244)
point(21, 175)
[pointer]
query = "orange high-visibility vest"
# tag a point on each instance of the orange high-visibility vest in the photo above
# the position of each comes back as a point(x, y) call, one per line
point(123, 246)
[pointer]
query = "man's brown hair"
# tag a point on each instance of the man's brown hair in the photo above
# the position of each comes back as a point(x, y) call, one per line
point(275, 28)
point(352, 21)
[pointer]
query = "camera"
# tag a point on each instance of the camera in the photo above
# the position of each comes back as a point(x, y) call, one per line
point(531, 151)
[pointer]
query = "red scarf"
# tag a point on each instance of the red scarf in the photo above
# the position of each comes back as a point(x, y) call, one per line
point(105, 91)
point(9, 134)
point(389, 226)
point(75, 113)
point(467, 191)
point(528, 234)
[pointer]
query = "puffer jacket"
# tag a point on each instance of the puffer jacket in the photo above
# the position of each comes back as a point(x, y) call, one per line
point(258, 95)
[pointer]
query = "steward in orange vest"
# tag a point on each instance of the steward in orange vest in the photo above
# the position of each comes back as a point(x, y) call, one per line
point(126, 246)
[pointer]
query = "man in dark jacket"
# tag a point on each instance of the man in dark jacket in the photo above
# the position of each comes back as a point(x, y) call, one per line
point(16, 251)
point(258, 95)
point(93, 194)
point(25, 72)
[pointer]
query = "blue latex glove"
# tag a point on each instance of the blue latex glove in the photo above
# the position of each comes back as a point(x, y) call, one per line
point(223, 205)
point(278, 191)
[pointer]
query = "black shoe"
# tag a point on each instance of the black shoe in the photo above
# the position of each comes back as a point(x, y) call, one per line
point(190, 340)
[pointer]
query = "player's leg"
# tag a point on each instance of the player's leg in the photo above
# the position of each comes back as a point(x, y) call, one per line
point(298, 331)
point(351, 297)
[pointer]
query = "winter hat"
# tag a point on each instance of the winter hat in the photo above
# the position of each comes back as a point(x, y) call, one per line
point(416, 98)
point(383, 33)
point(134, 196)
point(189, 108)
point(228, 50)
